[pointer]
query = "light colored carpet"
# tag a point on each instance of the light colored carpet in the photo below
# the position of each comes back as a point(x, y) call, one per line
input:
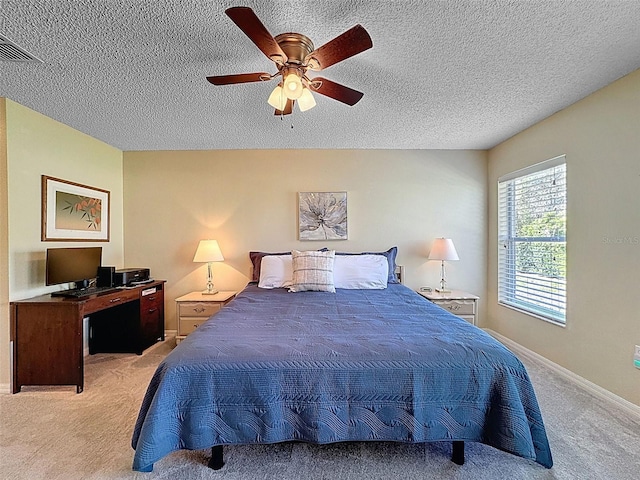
point(53, 433)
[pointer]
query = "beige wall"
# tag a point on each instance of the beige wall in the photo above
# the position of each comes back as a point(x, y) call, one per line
point(38, 145)
point(247, 200)
point(600, 136)
point(4, 253)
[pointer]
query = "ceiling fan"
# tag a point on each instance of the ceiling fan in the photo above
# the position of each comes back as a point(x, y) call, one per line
point(294, 55)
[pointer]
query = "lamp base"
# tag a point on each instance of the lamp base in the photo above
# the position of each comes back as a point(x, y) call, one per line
point(209, 292)
point(443, 290)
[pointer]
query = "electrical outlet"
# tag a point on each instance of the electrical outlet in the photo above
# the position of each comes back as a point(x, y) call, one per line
point(636, 357)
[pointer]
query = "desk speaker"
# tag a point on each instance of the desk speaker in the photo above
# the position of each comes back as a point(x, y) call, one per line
point(105, 277)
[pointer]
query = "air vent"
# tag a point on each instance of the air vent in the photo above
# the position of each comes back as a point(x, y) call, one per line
point(10, 52)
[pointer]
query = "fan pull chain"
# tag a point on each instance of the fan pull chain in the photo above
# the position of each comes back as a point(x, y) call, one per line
point(282, 119)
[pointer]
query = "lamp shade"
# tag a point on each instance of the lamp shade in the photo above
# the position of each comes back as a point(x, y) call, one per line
point(443, 249)
point(208, 251)
point(292, 85)
point(306, 100)
point(277, 98)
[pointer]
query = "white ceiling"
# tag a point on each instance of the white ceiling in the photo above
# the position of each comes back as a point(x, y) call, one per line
point(457, 74)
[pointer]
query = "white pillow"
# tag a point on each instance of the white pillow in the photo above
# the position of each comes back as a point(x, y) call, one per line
point(360, 271)
point(276, 271)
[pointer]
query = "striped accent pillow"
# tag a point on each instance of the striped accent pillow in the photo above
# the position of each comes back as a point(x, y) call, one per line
point(312, 271)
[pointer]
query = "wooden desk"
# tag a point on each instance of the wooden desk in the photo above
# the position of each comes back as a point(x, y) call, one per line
point(46, 332)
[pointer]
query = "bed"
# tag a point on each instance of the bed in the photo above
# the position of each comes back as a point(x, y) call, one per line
point(365, 364)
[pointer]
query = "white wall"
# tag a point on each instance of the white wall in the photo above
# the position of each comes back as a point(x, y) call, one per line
point(38, 145)
point(247, 200)
point(600, 136)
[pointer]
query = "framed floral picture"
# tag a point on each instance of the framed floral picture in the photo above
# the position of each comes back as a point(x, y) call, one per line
point(322, 215)
point(74, 212)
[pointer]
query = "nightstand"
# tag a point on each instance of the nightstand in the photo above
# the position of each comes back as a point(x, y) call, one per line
point(194, 308)
point(461, 304)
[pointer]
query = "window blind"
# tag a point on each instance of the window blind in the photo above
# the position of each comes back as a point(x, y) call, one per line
point(532, 240)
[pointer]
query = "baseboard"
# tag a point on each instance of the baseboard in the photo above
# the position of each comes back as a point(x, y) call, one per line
point(591, 387)
point(5, 388)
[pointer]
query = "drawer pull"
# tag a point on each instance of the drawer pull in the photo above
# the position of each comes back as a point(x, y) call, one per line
point(114, 300)
point(151, 299)
point(196, 325)
point(151, 310)
point(198, 309)
point(454, 307)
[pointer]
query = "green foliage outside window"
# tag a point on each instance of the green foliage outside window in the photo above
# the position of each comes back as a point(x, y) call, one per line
point(541, 220)
point(542, 257)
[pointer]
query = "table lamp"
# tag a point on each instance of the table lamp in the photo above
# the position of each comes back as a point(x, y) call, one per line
point(208, 251)
point(443, 249)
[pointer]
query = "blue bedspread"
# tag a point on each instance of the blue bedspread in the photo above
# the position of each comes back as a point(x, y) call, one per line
point(382, 365)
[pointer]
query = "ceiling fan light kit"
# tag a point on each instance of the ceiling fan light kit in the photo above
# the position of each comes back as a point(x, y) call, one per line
point(306, 100)
point(292, 83)
point(294, 55)
point(277, 99)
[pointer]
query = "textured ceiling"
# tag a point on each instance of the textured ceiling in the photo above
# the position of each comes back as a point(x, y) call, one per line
point(457, 74)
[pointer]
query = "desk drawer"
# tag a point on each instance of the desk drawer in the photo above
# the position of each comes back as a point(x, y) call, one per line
point(149, 306)
point(112, 299)
point(198, 309)
point(459, 307)
point(153, 300)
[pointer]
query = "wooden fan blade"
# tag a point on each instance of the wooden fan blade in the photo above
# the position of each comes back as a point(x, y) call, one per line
point(253, 28)
point(288, 108)
point(238, 78)
point(336, 91)
point(350, 43)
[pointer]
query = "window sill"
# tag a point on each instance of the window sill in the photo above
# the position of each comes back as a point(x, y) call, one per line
point(529, 313)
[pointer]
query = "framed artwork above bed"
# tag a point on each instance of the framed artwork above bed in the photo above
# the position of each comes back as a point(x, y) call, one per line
point(322, 215)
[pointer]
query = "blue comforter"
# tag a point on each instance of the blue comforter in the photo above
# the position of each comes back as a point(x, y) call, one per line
point(383, 365)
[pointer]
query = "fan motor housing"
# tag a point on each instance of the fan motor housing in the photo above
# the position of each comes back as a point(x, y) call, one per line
point(295, 46)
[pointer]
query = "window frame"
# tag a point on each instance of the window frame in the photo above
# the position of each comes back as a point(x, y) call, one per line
point(507, 273)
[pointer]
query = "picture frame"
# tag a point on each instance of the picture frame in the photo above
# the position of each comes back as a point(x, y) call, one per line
point(322, 216)
point(73, 212)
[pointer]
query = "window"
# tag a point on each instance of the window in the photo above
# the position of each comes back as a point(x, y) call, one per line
point(532, 240)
